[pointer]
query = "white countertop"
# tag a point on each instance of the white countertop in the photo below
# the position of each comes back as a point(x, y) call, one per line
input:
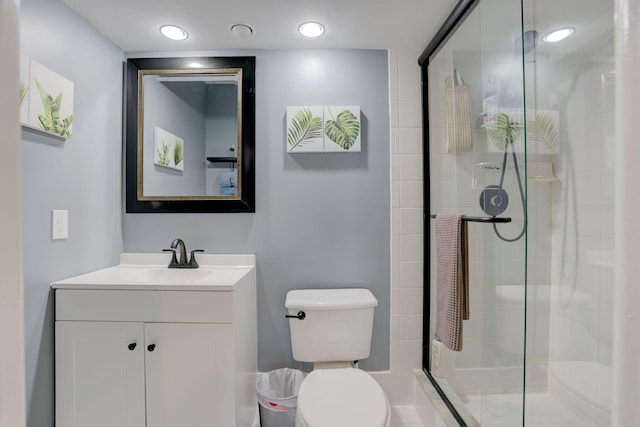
point(150, 272)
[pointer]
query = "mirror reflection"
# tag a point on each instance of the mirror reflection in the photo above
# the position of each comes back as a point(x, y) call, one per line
point(190, 134)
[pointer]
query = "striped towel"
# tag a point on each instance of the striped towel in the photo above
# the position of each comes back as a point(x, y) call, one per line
point(453, 279)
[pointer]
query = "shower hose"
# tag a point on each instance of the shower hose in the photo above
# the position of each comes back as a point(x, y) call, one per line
point(522, 198)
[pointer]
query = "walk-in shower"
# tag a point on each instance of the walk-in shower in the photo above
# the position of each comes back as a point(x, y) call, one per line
point(522, 145)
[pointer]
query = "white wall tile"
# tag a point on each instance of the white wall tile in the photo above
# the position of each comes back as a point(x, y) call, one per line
point(410, 114)
point(393, 90)
point(395, 141)
point(410, 140)
point(396, 221)
point(409, 88)
point(440, 168)
point(409, 353)
point(411, 274)
point(411, 247)
point(411, 194)
point(395, 167)
point(395, 248)
point(411, 221)
point(406, 327)
point(395, 113)
point(410, 167)
point(395, 194)
point(409, 300)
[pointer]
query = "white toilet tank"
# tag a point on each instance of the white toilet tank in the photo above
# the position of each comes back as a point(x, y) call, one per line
point(336, 327)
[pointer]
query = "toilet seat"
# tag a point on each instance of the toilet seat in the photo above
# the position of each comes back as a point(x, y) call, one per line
point(345, 397)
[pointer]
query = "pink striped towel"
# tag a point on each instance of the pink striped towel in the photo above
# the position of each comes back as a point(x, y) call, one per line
point(453, 279)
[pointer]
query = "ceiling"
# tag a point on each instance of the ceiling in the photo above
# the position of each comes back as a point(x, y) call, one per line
point(133, 25)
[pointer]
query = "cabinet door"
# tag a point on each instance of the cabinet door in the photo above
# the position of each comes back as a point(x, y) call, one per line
point(99, 374)
point(189, 375)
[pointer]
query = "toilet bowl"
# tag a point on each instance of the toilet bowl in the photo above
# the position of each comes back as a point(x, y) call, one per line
point(331, 327)
point(343, 397)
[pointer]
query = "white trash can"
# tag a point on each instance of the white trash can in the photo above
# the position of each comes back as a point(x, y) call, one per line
point(278, 396)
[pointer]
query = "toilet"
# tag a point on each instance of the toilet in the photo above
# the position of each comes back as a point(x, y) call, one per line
point(332, 328)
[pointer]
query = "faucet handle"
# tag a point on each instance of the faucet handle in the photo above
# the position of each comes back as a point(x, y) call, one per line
point(174, 260)
point(192, 261)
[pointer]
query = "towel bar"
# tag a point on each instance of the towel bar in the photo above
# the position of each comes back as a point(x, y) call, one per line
point(489, 219)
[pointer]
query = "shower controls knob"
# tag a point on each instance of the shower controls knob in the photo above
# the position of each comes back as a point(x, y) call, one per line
point(494, 200)
point(132, 346)
point(151, 347)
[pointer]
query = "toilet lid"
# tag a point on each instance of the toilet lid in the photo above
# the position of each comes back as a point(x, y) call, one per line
point(344, 397)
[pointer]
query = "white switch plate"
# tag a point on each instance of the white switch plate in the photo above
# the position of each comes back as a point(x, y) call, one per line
point(59, 224)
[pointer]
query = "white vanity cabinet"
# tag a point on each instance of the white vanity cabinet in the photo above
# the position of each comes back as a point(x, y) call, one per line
point(155, 355)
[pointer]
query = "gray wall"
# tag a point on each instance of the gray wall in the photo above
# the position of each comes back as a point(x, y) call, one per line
point(222, 132)
point(165, 109)
point(82, 175)
point(222, 119)
point(322, 220)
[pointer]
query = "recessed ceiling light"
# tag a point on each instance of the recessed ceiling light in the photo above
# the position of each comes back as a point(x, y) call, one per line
point(174, 33)
point(557, 35)
point(242, 31)
point(311, 29)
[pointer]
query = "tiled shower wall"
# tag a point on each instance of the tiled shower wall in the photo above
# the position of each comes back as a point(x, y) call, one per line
point(580, 353)
point(406, 226)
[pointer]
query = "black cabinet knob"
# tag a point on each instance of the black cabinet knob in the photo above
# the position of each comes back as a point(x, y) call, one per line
point(132, 346)
point(151, 347)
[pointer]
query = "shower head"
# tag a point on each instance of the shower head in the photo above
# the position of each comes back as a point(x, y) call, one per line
point(525, 43)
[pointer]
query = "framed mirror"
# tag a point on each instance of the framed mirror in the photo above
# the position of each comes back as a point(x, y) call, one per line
point(190, 135)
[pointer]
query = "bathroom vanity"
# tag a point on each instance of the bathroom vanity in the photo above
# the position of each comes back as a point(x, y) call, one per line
point(139, 344)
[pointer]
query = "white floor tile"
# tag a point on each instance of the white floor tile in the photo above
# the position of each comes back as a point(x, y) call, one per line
point(405, 416)
point(401, 416)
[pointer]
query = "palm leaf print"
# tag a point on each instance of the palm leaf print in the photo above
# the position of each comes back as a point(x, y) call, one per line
point(544, 129)
point(304, 127)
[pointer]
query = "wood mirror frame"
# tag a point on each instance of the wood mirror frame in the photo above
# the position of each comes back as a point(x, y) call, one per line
point(244, 200)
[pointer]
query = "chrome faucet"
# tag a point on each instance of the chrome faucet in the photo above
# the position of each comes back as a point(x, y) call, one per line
point(176, 245)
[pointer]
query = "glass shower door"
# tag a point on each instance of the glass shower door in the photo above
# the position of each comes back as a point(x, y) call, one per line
point(570, 262)
point(521, 130)
point(484, 178)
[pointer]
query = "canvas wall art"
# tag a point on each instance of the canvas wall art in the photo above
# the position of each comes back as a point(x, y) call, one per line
point(168, 149)
point(46, 99)
point(323, 129)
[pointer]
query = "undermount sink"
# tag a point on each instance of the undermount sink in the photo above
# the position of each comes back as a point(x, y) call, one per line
point(150, 272)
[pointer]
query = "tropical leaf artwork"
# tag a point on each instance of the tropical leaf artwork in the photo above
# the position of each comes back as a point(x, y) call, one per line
point(503, 130)
point(50, 120)
point(544, 129)
point(343, 129)
point(24, 91)
point(177, 152)
point(304, 129)
point(163, 154)
point(168, 149)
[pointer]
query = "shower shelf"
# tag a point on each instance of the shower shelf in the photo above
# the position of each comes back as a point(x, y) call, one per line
point(223, 159)
point(490, 219)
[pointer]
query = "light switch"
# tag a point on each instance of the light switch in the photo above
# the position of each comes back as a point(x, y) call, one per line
point(59, 224)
